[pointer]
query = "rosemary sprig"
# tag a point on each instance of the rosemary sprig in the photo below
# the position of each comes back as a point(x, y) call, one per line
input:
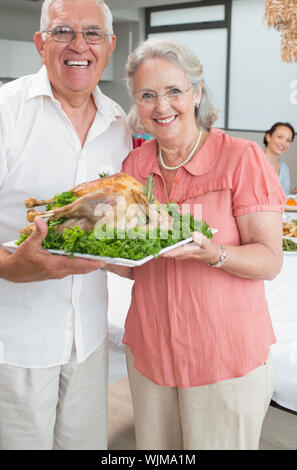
point(103, 174)
point(148, 189)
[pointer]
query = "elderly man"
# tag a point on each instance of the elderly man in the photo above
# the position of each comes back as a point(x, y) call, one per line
point(56, 130)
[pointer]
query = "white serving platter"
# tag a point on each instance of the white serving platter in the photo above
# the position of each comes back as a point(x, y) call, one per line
point(11, 246)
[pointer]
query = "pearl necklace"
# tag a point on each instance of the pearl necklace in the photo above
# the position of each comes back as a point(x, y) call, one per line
point(186, 160)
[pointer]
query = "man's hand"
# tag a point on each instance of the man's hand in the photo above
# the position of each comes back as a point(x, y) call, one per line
point(30, 262)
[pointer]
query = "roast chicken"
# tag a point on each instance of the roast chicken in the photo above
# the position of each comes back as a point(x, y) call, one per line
point(117, 201)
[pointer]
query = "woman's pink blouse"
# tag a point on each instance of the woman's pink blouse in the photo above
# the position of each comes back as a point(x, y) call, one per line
point(190, 324)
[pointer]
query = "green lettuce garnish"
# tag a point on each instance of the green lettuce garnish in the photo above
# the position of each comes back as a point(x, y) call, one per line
point(61, 200)
point(133, 244)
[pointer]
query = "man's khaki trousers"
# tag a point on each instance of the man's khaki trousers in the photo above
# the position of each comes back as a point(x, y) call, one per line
point(227, 415)
point(60, 407)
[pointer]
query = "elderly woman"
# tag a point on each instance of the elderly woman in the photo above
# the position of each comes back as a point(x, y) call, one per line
point(198, 331)
point(277, 140)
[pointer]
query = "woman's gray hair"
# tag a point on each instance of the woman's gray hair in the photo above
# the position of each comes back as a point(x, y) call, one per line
point(45, 19)
point(182, 57)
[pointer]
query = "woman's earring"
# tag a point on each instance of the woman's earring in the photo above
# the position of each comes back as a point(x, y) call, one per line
point(196, 107)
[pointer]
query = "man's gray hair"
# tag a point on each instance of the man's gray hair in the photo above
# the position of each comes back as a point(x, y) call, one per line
point(45, 19)
point(182, 57)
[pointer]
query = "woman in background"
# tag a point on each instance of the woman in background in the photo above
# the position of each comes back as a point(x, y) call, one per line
point(277, 140)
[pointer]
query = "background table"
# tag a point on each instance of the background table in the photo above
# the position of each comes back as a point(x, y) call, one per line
point(281, 294)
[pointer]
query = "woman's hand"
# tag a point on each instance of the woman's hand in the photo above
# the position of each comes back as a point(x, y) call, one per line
point(259, 256)
point(201, 249)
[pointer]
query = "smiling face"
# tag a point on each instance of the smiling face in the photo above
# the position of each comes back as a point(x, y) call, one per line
point(76, 67)
point(168, 121)
point(280, 140)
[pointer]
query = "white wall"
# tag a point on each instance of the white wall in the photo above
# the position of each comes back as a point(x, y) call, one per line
point(259, 80)
point(117, 88)
point(18, 24)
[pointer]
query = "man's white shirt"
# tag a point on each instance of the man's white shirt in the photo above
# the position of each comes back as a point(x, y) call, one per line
point(41, 155)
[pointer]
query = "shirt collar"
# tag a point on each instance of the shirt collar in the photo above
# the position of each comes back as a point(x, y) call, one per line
point(205, 159)
point(106, 106)
point(41, 86)
point(148, 166)
point(202, 162)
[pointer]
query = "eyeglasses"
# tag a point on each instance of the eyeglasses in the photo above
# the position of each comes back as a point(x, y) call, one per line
point(149, 98)
point(91, 34)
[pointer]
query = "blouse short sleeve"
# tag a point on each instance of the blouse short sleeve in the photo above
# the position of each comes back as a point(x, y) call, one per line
point(256, 186)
